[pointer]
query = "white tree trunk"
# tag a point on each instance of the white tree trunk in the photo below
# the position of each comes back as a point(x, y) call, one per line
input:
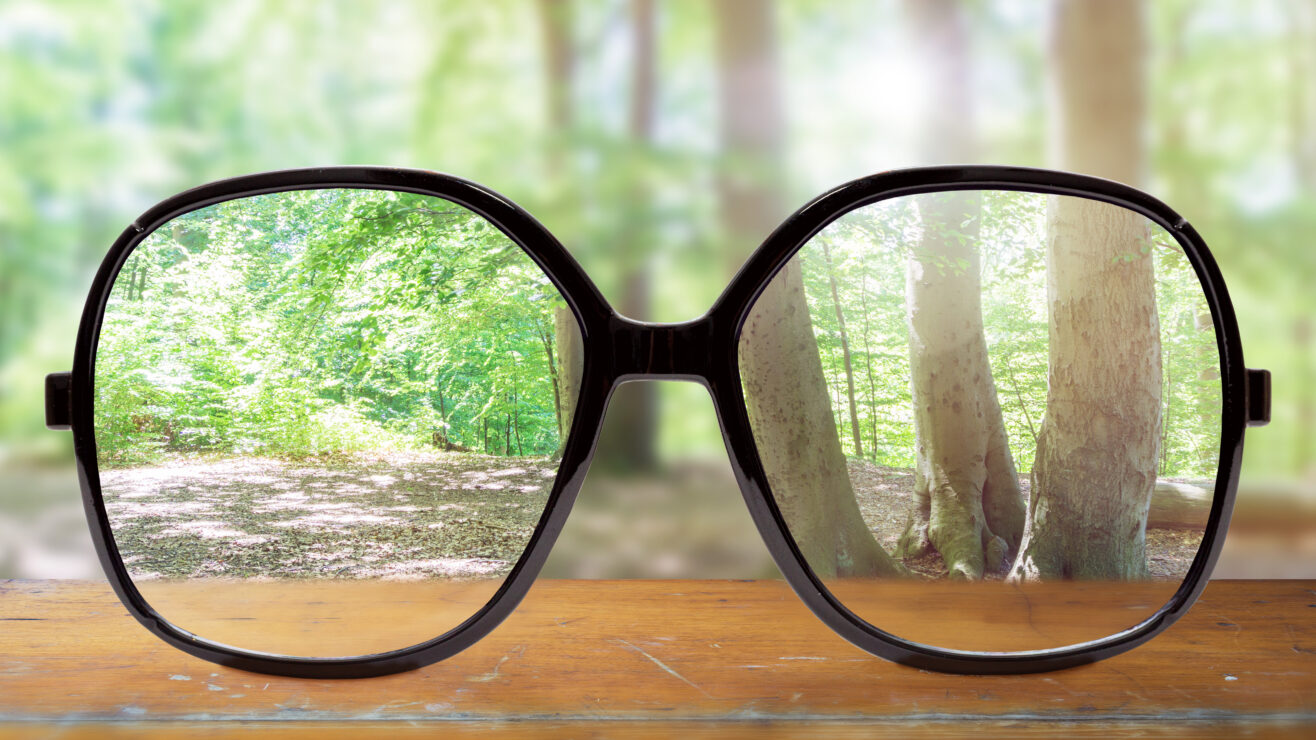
point(1099, 442)
point(969, 506)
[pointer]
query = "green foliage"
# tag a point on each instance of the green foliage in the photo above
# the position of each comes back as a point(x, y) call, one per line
point(326, 321)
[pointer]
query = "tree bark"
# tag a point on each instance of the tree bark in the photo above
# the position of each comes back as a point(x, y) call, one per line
point(1098, 444)
point(782, 374)
point(968, 504)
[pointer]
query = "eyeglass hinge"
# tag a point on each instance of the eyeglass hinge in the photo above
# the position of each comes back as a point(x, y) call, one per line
point(1258, 397)
point(59, 401)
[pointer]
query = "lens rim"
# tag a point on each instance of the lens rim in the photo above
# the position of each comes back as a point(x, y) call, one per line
point(783, 244)
point(577, 291)
point(617, 350)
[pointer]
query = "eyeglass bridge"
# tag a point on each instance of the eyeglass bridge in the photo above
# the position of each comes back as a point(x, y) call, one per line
point(680, 351)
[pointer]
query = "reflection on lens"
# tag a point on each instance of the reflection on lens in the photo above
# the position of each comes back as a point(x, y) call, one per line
point(990, 419)
point(328, 421)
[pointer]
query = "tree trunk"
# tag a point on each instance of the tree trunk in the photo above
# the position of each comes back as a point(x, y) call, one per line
point(968, 503)
point(845, 351)
point(782, 374)
point(559, 75)
point(546, 338)
point(570, 365)
point(791, 416)
point(443, 422)
point(868, 356)
point(516, 422)
point(1302, 74)
point(969, 506)
point(751, 124)
point(559, 81)
point(1098, 445)
point(132, 283)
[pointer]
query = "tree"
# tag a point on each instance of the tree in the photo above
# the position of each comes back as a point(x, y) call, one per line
point(559, 81)
point(785, 389)
point(1098, 444)
point(635, 408)
point(845, 352)
point(968, 503)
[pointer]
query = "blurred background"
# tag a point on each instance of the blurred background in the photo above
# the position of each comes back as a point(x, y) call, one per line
point(660, 142)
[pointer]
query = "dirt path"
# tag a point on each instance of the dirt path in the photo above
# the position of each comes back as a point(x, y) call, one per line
point(404, 516)
point(392, 516)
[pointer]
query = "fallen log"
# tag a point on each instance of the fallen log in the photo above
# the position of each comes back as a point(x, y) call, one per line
point(1179, 506)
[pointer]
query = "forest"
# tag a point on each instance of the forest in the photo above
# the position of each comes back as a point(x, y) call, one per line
point(329, 321)
point(950, 348)
point(862, 326)
point(660, 143)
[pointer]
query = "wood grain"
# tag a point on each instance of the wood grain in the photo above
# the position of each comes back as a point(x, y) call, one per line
point(650, 730)
point(638, 650)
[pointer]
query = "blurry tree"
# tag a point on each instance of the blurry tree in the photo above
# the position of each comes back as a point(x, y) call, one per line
point(635, 408)
point(555, 22)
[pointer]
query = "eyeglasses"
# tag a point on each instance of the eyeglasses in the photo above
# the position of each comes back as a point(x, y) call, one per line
point(329, 422)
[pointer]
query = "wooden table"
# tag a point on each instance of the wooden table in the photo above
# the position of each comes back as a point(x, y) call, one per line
point(605, 658)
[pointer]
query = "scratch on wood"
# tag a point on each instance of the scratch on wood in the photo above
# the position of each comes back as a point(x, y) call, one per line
point(1184, 694)
point(663, 666)
point(1060, 685)
point(491, 675)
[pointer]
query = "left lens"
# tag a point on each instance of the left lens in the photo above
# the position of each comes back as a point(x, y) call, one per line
point(327, 422)
point(989, 419)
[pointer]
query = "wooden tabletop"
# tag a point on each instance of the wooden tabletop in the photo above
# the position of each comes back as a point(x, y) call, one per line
point(633, 651)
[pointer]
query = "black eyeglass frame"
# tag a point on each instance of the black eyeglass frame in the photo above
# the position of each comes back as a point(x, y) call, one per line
point(618, 350)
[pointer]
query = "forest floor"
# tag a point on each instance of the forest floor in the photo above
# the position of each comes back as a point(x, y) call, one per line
point(886, 497)
point(389, 515)
point(403, 516)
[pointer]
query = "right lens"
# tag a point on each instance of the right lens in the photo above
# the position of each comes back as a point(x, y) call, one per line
point(990, 419)
point(328, 421)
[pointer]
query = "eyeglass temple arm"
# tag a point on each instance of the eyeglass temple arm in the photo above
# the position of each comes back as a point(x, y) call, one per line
point(1258, 397)
point(59, 398)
